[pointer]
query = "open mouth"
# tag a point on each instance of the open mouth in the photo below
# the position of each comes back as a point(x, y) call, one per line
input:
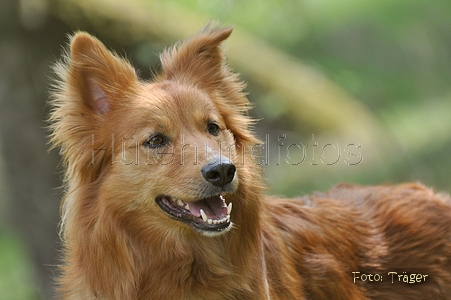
point(209, 215)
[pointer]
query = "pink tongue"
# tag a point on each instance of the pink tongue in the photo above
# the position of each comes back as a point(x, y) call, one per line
point(214, 207)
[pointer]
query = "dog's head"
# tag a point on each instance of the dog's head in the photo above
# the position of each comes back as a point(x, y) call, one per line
point(173, 147)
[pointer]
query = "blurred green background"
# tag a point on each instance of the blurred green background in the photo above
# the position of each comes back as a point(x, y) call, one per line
point(352, 90)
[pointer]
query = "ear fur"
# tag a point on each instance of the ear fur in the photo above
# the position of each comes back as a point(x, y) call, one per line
point(100, 75)
point(93, 82)
point(199, 61)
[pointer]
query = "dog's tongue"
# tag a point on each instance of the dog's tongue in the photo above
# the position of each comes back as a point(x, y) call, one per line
point(214, 207)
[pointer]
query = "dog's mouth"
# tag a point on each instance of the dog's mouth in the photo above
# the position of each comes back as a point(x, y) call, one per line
point(208, 215)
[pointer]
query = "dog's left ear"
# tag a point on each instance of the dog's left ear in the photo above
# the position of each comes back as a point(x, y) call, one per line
point(198, 60)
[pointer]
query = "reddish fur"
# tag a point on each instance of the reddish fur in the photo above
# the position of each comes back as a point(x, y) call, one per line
point(120, 245)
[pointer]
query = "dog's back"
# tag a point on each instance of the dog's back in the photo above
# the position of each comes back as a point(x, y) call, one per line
point(362, 243)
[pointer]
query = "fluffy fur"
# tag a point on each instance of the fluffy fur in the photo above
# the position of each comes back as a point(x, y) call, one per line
point(120, 244)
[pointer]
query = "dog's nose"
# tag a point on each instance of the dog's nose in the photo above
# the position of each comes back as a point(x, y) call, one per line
point(219, 173)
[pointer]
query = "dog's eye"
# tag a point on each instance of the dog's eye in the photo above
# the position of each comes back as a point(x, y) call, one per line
point(155, 141)
point(213, 129)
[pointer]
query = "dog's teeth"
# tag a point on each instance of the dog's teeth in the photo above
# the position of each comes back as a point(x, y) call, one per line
point(180, 202)
point(229, 208)
point(223, 220)
point(204, 215)
point(214, 221)
point(187, 206)
point(210, 221)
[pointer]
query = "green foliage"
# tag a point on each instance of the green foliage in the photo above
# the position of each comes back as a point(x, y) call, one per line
point(16, 274)
point(394, 56)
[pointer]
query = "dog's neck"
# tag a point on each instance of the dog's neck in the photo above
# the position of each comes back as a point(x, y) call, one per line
point(203, 265)
point(199, 264)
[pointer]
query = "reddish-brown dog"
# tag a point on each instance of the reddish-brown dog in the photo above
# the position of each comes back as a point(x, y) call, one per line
point(154, 168)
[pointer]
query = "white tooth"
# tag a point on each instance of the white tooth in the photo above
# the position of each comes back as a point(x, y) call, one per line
point(187, 206)
point(210, 221)
point(180, 202)
point(229, 208)
point(204, 215)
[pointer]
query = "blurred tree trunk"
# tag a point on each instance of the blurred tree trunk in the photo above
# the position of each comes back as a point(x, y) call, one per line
point(31, 174)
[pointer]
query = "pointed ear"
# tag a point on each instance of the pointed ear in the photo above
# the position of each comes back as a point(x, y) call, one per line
point(198, 60)
point(92, 83)
point(99, 77)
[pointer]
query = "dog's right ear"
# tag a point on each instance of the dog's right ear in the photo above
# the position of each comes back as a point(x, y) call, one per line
point(99, 77)
point(93, 83)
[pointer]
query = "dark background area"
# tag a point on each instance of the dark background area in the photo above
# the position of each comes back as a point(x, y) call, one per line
point(386, 63)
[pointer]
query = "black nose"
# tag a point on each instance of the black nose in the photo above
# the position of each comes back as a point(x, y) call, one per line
point(219, 174)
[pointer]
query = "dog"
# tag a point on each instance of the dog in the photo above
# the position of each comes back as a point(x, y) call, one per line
point(163, 198)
